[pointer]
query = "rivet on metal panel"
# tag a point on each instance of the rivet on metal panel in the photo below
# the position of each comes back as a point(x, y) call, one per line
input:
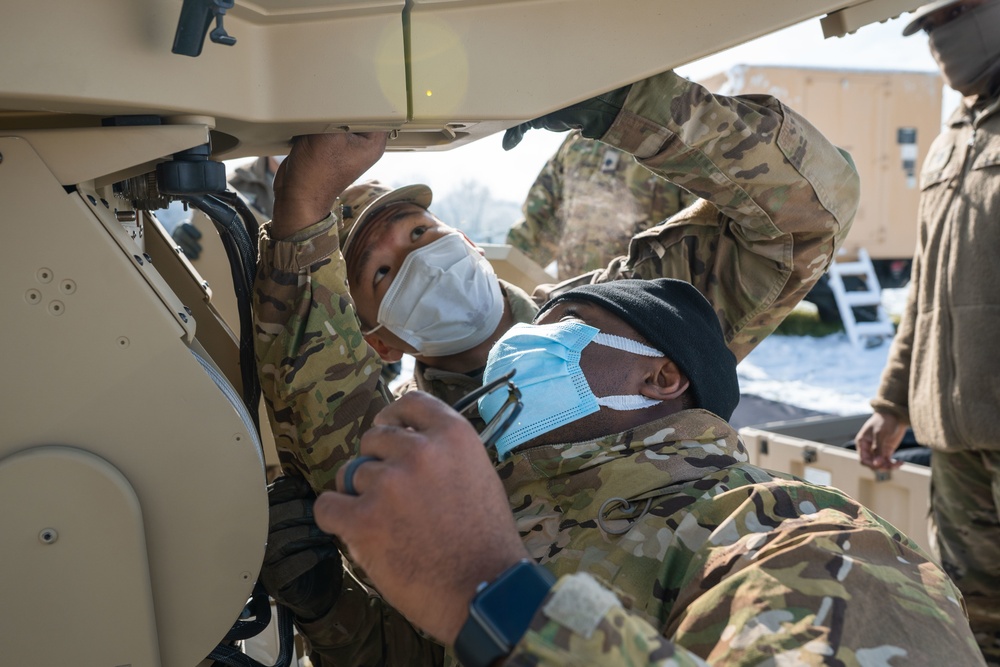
point(67, 286)
point(123, 342)
point(44, 275)
point(809, 455)
point(57, 308)
point(33, 296)
point(48, 535)
point(238, 437)
point(245, 576)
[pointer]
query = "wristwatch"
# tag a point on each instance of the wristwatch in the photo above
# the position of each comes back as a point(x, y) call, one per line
point(501, 612)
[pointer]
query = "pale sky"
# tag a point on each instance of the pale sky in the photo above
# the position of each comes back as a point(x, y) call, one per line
point(510, 174)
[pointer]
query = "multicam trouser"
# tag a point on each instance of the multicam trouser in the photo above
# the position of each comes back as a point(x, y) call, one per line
point(965, 519)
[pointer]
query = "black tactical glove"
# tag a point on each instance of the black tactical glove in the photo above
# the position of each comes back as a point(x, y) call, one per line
point(186, 236)
point(592, 117)
point(302, 566)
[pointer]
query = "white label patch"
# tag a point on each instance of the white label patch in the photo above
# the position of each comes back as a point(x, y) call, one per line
point(580, 604)
point(818, 476)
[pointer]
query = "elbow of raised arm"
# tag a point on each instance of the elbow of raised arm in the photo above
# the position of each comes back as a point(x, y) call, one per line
point(849, 193)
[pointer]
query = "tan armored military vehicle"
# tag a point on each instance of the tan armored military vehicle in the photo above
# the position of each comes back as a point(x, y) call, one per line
point(132, 482)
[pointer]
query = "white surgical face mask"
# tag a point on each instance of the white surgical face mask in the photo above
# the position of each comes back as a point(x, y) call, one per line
point(446, 298)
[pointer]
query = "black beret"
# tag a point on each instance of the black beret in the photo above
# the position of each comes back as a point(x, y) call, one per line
point(677, 320)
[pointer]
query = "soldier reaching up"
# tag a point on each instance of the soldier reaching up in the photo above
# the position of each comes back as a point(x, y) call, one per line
point(707, 558)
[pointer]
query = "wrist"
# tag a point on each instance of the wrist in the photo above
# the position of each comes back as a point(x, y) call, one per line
point(288, 220)
point(501, 612)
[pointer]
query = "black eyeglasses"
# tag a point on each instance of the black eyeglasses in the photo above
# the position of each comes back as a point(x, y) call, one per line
point(504, 417)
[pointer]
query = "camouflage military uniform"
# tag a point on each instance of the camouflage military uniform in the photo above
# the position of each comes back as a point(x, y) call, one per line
point(731, 563)
point(941, 375)
point(256, 183)
point(587, 203)
point(711, 557)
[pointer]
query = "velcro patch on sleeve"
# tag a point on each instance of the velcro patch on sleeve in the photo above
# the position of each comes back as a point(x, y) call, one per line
point(580, 603)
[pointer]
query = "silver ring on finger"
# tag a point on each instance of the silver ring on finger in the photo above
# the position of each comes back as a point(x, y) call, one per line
point(350, 469)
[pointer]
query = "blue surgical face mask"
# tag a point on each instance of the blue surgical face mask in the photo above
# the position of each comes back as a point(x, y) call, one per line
point(553, 388)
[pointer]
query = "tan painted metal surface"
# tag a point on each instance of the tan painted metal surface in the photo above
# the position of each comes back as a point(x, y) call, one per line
point(515, 267)
point(314, 66)
point(98, 361)
point(79, 522)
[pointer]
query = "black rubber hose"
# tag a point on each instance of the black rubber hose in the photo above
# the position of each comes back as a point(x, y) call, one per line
point(242, 262)
point(259, 607)
point(233, 657)
point(249, 219)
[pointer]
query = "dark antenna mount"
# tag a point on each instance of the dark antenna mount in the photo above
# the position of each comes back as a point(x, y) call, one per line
point(194, 22)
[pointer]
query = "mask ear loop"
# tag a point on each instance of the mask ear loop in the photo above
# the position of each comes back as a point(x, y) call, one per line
point(371, 331)
point(626, 345)
point(626, 508)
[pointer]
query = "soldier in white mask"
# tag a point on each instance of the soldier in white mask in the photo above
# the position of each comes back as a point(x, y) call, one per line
point(421, 286)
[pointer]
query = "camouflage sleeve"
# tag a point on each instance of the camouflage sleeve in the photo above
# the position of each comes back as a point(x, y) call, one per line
point(538, 232)
point(319, 378)
point(583, 623)
point(320, 382)
point(779, 200)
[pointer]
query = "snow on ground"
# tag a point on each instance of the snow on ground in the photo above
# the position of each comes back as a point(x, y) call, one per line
point(825, 374)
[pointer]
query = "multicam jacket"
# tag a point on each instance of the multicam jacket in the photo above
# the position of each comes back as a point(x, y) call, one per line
point(256, 182)
point(715, 560)
point(587, 203)
point(778, 200)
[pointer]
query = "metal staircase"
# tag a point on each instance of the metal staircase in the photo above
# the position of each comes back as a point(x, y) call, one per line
point(861, 334)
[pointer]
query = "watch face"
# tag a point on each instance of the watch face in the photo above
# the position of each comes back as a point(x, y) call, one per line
point(501, 613)
point(504, 607)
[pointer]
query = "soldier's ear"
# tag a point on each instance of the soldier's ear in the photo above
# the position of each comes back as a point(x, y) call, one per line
point(385, 351)
point(663, 380)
